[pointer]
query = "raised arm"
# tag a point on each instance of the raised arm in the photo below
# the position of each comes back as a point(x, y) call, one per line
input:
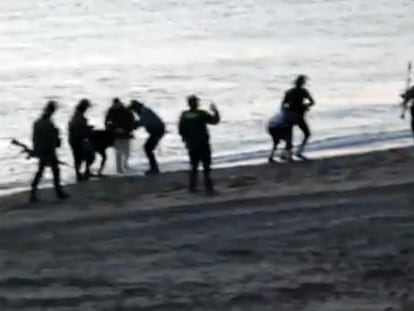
point(214, 117)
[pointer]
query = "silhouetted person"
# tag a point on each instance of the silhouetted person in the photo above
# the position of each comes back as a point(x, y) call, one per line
point(120, 121)
point(45, 142)
point(79, 132)
point(280, 128)
point(194, 132)
point(100, 141)
point(408, 98)
point(297, 101)
point(155, 128)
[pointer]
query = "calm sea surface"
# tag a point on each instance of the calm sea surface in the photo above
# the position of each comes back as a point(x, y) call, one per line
point(241, 54)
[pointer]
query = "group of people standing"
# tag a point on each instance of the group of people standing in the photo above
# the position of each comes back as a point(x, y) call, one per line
point(120, 123)
point(122, 120)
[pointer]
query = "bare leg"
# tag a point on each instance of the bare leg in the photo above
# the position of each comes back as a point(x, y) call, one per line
point(272, 153)
point(118, 156)
point(127, 153)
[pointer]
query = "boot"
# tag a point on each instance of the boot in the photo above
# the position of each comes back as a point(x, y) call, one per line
point(33, 197)
point(62, 195)
point(193, 184)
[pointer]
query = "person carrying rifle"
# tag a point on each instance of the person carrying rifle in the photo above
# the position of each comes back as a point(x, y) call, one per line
point(155, 127)
point(45, 142)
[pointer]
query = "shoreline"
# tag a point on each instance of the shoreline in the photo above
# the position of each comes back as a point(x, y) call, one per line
point(319, 149)
point(233, 177)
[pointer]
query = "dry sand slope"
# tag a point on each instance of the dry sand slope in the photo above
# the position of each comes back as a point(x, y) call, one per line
point(340, 247)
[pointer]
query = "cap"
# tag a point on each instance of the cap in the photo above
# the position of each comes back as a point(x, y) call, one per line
point(301, 79)
point(50, 106)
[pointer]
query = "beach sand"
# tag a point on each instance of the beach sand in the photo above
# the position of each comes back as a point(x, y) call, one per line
point(331, 234)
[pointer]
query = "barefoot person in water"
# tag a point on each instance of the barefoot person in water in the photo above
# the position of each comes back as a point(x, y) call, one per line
point(297, 101)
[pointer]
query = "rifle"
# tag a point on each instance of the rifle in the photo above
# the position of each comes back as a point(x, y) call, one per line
point(407, 87)
point(30, 152)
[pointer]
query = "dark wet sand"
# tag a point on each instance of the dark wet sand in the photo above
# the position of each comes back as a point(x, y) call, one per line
point(334, 235)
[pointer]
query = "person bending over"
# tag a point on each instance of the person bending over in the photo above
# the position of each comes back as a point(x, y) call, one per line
point(155, 127)
point(280, 128)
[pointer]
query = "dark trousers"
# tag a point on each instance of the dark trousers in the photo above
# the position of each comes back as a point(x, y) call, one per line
point(44, 162)
point(281, 133)
point(82, 152)
point(149, 147)
point(200, 153)
point(304, 127)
